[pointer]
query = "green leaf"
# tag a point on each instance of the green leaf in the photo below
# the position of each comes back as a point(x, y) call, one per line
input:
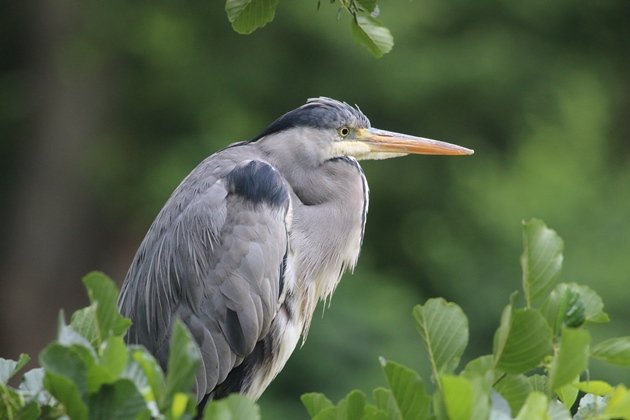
point(8, 368)
point(234, 407)
point(593, 304)
point(444, 330)
point(482, 367)
point(618, 403)
point(554, 307)
point(331, 413)
point(30, 411)
point(68, 337)
point(371, 33)
point(571, 358)
point(315, 403)
point(457, 394)
point(110, 365)
point(183, 361)
point(66, 391)
point(568, 393)
point(351, 407)
point(541, 261)
point(217, 410)
point(120, 400)
point(103, 320)
point(465, 398)
point(540, 383)
point(84, 322)
point(114, 356)
point(502, 334)
point(535, 407)
point(103, 291)
point(14, 406)
point(371, 412)
point(248, 15)
point(574, 312)
point(410, 396)
point(600, 388)
point(522, 340)
point(480, 398)
point(11, 402)
point(180, 405)
point(66, 362)
point(515, 389)
point(386, 402)
point(557, 305)
point(613, 350)
point(146, 373)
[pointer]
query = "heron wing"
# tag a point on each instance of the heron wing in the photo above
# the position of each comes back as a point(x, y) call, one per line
point(213, 258)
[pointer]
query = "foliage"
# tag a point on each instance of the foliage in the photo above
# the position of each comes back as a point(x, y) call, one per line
point(248, 15)
point(538, 365)
point(537, 368)
point(89, 373)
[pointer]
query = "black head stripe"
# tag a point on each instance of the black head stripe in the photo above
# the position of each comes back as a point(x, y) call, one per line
point(318, 113)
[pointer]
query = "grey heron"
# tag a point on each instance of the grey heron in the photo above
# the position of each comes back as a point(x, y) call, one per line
point(254, 237)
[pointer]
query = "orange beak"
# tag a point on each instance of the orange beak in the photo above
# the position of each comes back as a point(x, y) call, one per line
point(385, 142)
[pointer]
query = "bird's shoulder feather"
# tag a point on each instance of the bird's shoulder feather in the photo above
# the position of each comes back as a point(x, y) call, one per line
point(213, 257)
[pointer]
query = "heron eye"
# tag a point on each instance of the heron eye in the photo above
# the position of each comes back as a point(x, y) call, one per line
point(344, 131)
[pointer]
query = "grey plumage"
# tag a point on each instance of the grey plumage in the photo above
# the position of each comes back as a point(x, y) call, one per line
point(253, 238)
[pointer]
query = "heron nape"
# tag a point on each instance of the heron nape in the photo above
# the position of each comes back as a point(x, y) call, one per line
point(254, 237)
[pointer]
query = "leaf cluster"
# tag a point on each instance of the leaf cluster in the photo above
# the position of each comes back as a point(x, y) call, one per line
point(246, 16)
point(89, 372)
point(537, 368)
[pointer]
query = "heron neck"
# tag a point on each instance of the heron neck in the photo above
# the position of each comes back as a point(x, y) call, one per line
point(327, 229)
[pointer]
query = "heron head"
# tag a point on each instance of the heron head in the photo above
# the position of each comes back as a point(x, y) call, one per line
point(330, 129)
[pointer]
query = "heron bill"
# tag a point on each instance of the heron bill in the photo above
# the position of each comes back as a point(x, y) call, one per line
point(391, 142)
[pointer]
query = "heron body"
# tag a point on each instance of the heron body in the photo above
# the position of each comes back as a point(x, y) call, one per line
point(253, 238)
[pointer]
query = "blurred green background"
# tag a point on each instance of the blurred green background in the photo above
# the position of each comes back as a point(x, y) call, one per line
point(106, 106)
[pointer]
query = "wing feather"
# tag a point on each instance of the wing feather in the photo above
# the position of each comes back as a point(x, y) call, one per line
point(213, 258)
